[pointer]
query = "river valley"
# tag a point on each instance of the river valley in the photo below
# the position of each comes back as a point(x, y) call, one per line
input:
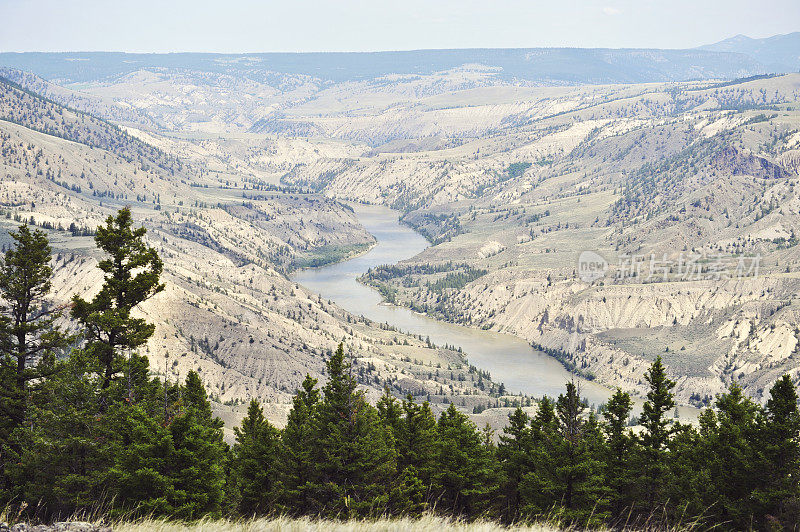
point(508, 359)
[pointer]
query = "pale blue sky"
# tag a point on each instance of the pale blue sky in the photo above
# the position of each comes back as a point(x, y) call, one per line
point(365, 25)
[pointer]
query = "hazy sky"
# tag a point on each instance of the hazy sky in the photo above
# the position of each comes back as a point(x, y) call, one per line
point(355, 25)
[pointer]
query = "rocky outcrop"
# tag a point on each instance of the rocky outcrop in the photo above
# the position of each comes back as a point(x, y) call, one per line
point(738, 162)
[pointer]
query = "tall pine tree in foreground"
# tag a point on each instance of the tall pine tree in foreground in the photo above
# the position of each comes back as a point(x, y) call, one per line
point(620, 470)
point(132, 270)
point(254, 464)
point(300, 445)
point(778, 491)
point(29, 337)
point(356, 459)
point(730, 440)
point(539, 488)
point(197, 466)
point(467, 475)
point(171, 467)
point(416, 440)
point(133, 450)
point(515, 454)
point(656, 434)
point(580, 471)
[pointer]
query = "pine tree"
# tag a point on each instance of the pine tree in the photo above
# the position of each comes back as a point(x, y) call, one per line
point(356, 461)
point(195, 396)
point(254, 463)
point(515, 455)
point(132, 272)
point(730, 457)
point(621, 451)
point(300, 444)
point(78, 447)
point(688, 474)
point(170, 468)
point(778, 490)
point(539, 487)
point(656, 434)
point(143, 452)
point(579, 469)
point(408, 495)
point(467, 473)
point(390, 412)
point(412, 429)
point(416, 440)
point(65, 450)
point(197, 465)
point(29, 337)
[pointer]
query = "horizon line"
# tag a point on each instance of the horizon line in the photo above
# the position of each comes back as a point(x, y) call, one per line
point(396, 50)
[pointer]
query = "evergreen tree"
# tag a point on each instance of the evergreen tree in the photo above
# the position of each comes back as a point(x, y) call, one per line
point(300, 444)
point(416, 440)
point(411, 428)
point(390, 412)
point(408, 496)
point(730, 457)
point(29, 337)
point(254, 463)
point(778, 471)
point(621, 451)
point(195, 396)
point(466, 476)
point(656, 433)
point(196, 465)
point(132, 272)
point(515, 455)
point(172, 468)
point(689, 476)
point(539, 487)
point(356, 458)
point(579, 469)
point(64, 452)
point(143, 452)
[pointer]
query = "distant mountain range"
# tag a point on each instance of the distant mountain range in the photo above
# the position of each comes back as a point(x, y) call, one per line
point(779, 53)
point(733, 58)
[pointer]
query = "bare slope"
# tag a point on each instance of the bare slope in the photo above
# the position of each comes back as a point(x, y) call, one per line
point(229, 310)
point(512, 183)
point(702, 177)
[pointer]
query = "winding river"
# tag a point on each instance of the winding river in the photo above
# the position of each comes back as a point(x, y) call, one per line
point(508, 359)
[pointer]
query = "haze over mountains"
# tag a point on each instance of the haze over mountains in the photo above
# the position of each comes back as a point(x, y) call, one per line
point(781, 53)
point(733, 58)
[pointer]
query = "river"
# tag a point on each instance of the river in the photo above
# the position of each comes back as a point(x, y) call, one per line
point(507, 358)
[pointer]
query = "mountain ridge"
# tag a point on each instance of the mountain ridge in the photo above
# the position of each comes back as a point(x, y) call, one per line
point(778, 51)
point(525, 65)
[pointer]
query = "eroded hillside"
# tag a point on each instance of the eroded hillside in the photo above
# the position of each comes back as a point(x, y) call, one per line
point(227, 240)
point(687, 190)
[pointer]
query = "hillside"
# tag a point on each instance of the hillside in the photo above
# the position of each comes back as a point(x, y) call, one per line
point(511, 183)
point(700, 177)
point(227, 241)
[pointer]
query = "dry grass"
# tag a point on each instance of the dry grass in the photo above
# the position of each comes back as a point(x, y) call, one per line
point(285, 524)
point(426, 523)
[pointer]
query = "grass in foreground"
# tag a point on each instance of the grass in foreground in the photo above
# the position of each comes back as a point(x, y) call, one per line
point(285, 524)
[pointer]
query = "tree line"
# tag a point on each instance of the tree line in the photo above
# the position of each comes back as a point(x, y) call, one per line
point(85, 426)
